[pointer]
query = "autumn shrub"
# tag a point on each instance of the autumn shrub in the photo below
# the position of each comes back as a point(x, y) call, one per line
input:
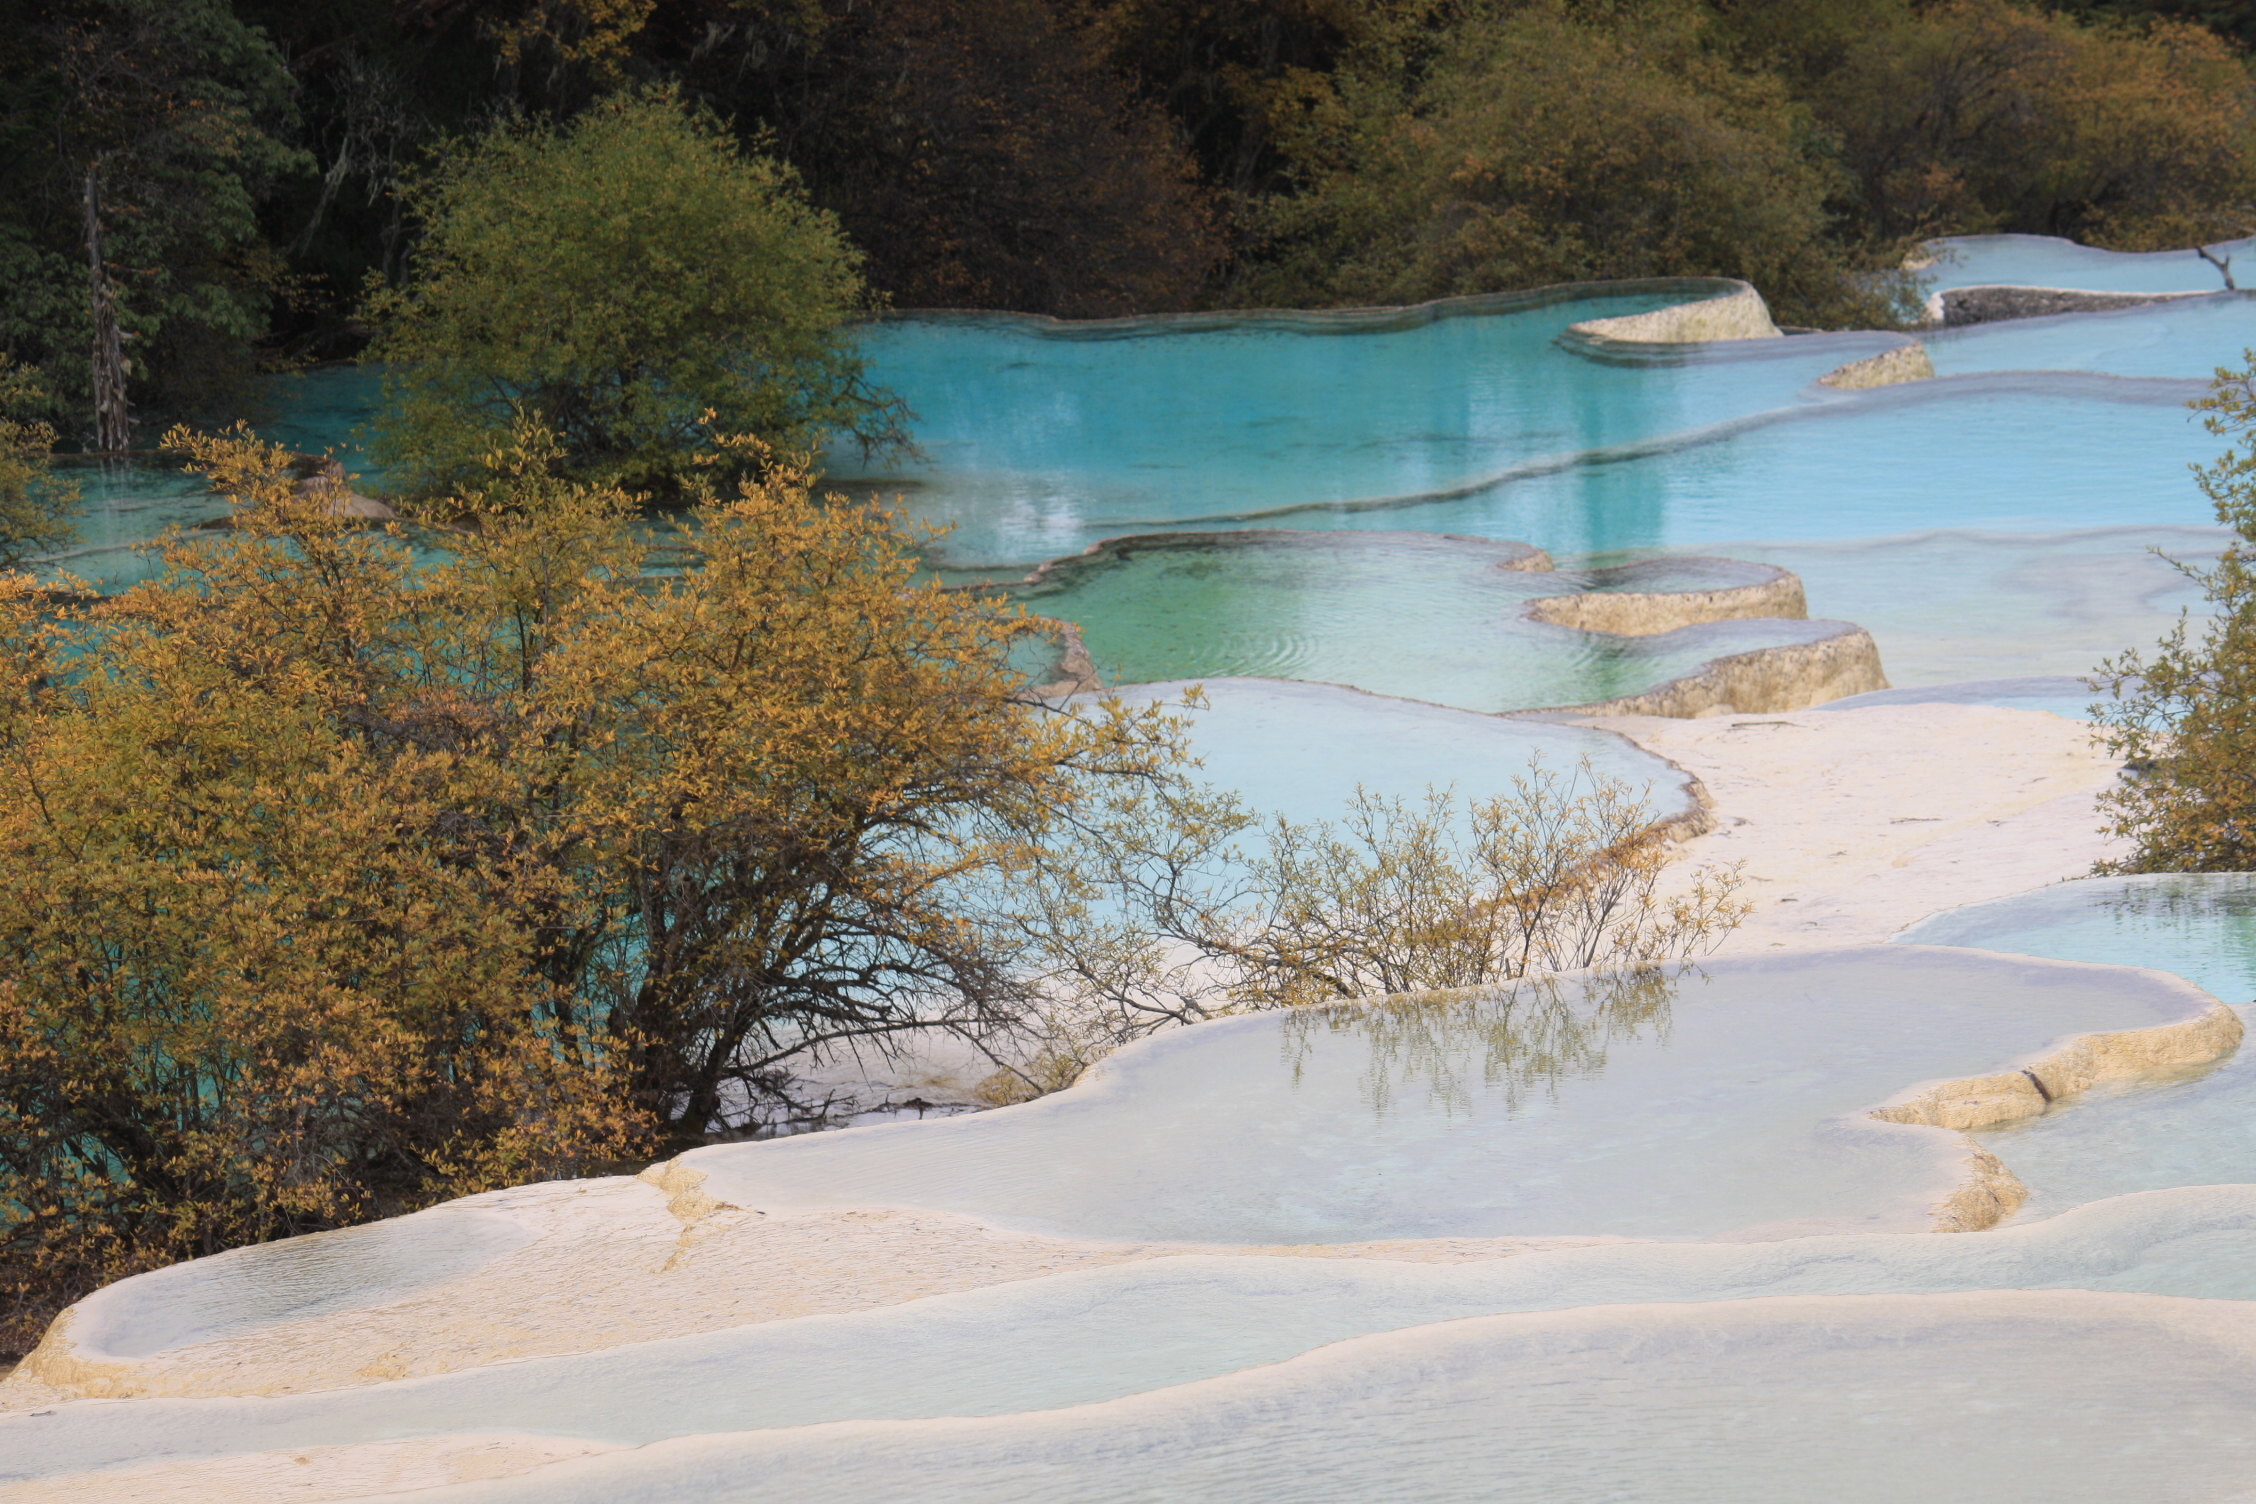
point(1543, 145)
point(2183, 715)
point(1985, 115)
point(36, 505)
point(357, 868)
point(342, 882)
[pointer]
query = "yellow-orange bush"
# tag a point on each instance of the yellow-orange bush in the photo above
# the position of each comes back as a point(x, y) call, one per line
point(341, 882)
point(345, 878)
point(2183, 713)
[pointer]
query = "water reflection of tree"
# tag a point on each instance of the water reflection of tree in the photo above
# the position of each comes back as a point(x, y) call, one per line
point(1512, 1043)
point(2217, 907)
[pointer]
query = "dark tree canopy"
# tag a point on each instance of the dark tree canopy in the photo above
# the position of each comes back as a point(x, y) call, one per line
point(1089, 157)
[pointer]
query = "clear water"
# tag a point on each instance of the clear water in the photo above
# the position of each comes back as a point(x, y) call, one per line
point(1792, 1335)
point(2048, 261)
point(1101, 1334)
point(1726, 1101)
point(2166, 340)
point(2201, 926)
point(1414, 615)
point(2198, 1128)
point(2036, 453)
point(123, 507)
point(1949, 607)
point(1301, 750)
point(1037, 439)
point(2018, 1397)
point(1037, 444)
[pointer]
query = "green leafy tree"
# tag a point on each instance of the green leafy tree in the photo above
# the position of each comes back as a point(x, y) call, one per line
point(2184, 714)
point(626, 283)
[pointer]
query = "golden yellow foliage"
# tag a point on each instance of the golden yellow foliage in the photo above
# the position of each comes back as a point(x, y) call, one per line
point(2184, 714)
point(356, 868)
point(343, 881)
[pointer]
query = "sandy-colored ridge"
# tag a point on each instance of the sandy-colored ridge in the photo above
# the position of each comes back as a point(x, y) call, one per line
point(636, 1259)
point(1787, 676)
point(1648, 613)
point(322, 478)
point(1077, 671)
point(310, 1475)
point(2078, 1065)
point(1509, 553)
point(1991, 1191)
point(1738, 314)
point(1889, 368)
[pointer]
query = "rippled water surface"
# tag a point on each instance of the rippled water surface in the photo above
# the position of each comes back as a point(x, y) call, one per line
point(1413, 615)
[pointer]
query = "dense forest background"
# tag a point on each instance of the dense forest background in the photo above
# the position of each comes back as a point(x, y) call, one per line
point(214, 186)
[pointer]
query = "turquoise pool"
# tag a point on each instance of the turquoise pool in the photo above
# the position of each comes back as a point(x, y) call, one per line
point(1993, 523)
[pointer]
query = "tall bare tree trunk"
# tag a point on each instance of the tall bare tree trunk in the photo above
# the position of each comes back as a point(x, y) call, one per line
point(110, 429)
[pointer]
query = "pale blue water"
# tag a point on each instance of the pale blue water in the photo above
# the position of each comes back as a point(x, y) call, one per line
point(2048, 261)
point(1991, 526)
point(2027, 1398)
point(2197, 1128)
point(1302, 750)
point(2054, 694)
point(1954, 606)
point(2036, 454)
point(2165, 340)
point(1038, 440)
point(1727, 1101)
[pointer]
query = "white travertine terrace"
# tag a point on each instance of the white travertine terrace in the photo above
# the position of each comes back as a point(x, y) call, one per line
point(1853, 824)
point(1992, 1396)
point(680, 1251)
point(1785, 676)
